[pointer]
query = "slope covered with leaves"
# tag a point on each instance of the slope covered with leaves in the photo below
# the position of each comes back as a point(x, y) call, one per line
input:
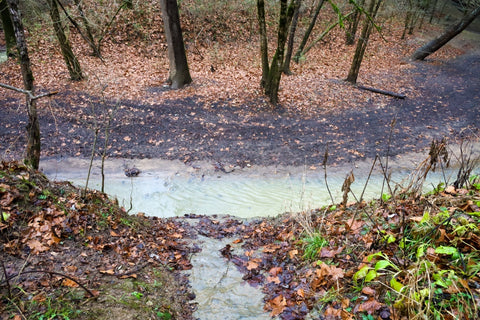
point(61, 246)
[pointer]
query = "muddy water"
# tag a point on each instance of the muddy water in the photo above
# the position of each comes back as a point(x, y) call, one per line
point(167, 189)
point(221, 294)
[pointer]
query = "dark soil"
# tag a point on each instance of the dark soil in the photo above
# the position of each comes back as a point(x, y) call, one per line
point(190, 129)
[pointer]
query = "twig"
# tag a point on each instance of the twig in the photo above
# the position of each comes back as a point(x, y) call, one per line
point(385, 178)
point(368, 178)
point(324, 164)
point(18, 308)
point(53, 273)
point(6, 280)
point(28, 92)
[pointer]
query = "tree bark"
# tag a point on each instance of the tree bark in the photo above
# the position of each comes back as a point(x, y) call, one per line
point(291, 38)
point(272, 83)
point(8, 29)
point(299, 52)
point(179, 72)
point(352, 27)
point(71, 60)
point(448, 35)
point(32, 154)
point(363, 41)
point(263, 41)
point(88, 29)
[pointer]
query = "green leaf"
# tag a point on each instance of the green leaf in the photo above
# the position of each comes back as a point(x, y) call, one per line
point(360, 274)
point(425, 218)
point(420, 251)
point(396, 285)
point(390, 239)
point(446, 250)
point(382, 265)
point(373, 255)
point(5, 216)
point(386, 197)
point(372, 274)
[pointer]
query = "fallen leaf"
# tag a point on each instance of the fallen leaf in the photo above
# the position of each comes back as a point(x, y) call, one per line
point(36, 246)
point(109, 271)
point(277, 305)
point(69, 283)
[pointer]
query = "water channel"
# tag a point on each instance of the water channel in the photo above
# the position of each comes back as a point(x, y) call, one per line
point(168, 188)
point(173, 189)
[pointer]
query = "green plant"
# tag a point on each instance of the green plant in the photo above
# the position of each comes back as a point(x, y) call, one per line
point(164, 315)
point(475, 181)
point(137, 294)
point(312, 244)
point(54, 308)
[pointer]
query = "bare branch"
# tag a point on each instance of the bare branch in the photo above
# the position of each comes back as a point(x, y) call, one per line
point(28, 92)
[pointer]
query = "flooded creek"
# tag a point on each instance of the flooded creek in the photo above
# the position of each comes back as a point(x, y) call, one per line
point(169, 189)
point(172, 189)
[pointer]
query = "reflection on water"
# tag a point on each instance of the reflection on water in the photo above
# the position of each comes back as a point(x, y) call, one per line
point(167, 189)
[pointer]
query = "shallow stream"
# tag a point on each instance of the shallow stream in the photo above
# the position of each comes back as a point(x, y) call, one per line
point(169, 189)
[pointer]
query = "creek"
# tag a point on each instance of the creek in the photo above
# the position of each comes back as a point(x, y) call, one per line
point(169, 189)
point(173, 189)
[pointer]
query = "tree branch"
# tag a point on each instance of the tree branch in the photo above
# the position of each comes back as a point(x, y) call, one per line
point(28, 92)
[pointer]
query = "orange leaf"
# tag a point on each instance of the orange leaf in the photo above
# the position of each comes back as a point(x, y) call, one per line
point(109, 271)
point(370, 306)
point(277, 305)
point(69, 283)
point(36, 246)
point(251, 264)
point(275, 271)
point(275, 280)
point(368, 291)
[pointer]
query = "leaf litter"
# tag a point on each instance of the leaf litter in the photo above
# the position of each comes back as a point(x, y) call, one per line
point(55, 228)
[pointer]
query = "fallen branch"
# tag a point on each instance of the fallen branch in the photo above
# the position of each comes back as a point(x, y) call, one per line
point(385, 92)
point(51, 273)
point(28, 92)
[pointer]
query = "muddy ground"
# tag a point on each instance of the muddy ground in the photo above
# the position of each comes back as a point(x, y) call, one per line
point(255, 133)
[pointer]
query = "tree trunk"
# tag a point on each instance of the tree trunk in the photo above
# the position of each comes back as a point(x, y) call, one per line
point(263, 41)
point(179, 72)
point(272, 83)
point(71, 61)
point(299, 52)
point(32, 154)
point(353, 25)
point(448, 35)
point(291, 38)
point(363, 41)
point(88, 29)
point(8, 29)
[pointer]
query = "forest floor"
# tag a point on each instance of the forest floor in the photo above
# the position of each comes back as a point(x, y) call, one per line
point(53, 236)
point(222, 116)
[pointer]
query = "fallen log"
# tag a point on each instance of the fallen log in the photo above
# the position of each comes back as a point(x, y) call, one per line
point(385, 92)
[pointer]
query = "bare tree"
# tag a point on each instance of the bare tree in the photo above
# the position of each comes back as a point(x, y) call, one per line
point(272, 74)
point(179, 72)
point(8, 29)
point(449, 34)
point(32, 154)
point(362, 43)
point(352, 24)
point(71, 60)
point(299, 52)
point(291, 38)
